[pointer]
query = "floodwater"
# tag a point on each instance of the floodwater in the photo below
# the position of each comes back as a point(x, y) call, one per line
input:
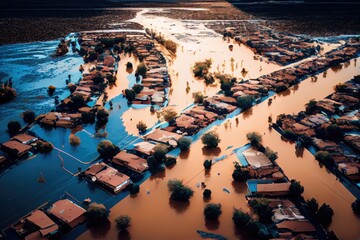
point(173, 220)
point(153, 214)
point(161, 222)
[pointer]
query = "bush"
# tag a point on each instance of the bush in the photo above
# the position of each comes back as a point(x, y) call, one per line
point(207, 193)
point(184, 143)
point(296, 189)
point(240, 173)
point(51, 90)
point(270, 154)
point(28, 116)
point(170, 161)
point(325, 214)
point(107, 149)
point(245, 102)
point(209, 79)
point(102, 117)
point(198, 97)
point(240, 218)
point(281, 88)
point(201, 68)
point(311, 106)
point(212, 211)
point(130, 95)
point(207, 164)
point(179, 191)
point(7, 94)
point(169, 114)
point(160, 151)
point(290, 135)
point(96, 213)
point(141, 126)
point(74, 140)
point(44, 147)
point(356, 207)
point(255, 138)
point(210, 139)
point(170, 45)
point(323, 156)
point(262, 209)
point(122, 222)
point(137, 88)
point(312, 206)
point(13, 127)
point(334, 132)
point(141, 69)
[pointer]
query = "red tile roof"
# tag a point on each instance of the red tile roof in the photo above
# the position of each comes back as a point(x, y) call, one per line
point(131, 161)
point(67, 211)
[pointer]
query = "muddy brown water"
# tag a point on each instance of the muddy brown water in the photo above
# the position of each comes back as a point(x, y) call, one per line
point(155, 216)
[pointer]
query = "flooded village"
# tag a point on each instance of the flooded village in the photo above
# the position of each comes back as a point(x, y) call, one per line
point(166, 126)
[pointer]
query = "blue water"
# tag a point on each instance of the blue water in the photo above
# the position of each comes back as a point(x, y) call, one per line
point(33, 68)
point(240, 156)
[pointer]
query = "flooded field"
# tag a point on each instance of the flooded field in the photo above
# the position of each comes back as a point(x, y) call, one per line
point(153, 213)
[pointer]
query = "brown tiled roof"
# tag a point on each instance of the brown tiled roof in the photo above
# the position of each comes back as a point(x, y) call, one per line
point(66, 210)
point(110, 176)
point(15, 145)
point(162, 136)
point(131, 161)
point(24, 138)
point(273, 187)
point(40, 219)
point(296, 226)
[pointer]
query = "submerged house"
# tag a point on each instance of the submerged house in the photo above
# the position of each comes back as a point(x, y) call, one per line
point(165, 137)
point(68, 212)
point(268, 188)
point(15, 148)
point(107, 176)
point(131, 161)
point(36, 225)
point(25, 138)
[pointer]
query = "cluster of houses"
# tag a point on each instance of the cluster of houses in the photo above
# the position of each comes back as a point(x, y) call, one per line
point(331, 125)
point(19, 147)
point(129, 164)
point(282, 48)
point(51, 223)
point(156, 80)
point(269, 186)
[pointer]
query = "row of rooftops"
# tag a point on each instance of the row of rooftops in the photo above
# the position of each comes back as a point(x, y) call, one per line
point(157, 79)
point(41, 224)
point(326, 113)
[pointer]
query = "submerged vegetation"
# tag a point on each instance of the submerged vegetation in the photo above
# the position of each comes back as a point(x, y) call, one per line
point(179, 191)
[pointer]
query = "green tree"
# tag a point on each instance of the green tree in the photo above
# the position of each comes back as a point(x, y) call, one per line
point(130, 95)
point(323, 156)
point(169, 114)
point(312, 206)
point(160, 150)
point(207, 193)
point(207, 164)
point(198, 97)
point(184, 143)
point(28, 116)
point(178, 191)
point(254, 137)
point(96, 213)
point(212, 210)
point(210, 139)
point(240, 218)
point(296, 189)
point(122, 222)
point(107, 149)
point(137, 88)
point(240, 173)
point(325, 214)
point(141, 126)
point(245, 102)
point(13, 127)
point(141, 69)
point(262, 209)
